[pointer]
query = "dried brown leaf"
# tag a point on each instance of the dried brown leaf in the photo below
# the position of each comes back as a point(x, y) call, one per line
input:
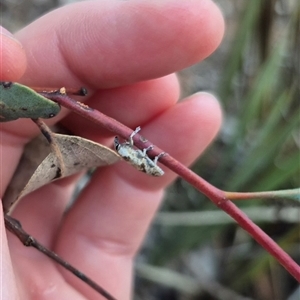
point(39, 166)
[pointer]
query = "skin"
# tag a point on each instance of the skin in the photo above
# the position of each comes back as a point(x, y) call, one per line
point(125, 53)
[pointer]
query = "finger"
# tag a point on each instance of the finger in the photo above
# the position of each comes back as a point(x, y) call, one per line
point(13, 59)
point(12, 67)
point(145, 101)
point(114, 43)
point(132, 105)
point(40, 211)
point(106, 226)
point(40, 214)
point(183, 132)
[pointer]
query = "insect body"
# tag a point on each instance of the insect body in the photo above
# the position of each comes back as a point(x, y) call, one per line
point(138, 158)
point(19, 101)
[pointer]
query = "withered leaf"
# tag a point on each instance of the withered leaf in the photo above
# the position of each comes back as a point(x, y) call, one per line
point(39, 166)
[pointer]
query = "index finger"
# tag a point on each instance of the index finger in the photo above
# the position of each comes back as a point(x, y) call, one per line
point(104, 44)
point(13, 59)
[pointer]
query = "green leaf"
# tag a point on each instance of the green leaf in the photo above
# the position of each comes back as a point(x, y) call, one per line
point(19, 101)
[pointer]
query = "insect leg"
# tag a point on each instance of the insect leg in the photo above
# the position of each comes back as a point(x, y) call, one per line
point(156, 158)
point(147, 149)
point(133, 134)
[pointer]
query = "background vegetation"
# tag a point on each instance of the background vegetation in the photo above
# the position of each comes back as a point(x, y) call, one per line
point(255, 74)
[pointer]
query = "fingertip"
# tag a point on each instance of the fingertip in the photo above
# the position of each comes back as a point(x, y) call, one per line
point(189, 127)
point(183, 131)
point(13, 58)
point(212, 106)
point(215, 26)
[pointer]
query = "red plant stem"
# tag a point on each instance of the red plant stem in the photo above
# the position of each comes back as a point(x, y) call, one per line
point(217, 196)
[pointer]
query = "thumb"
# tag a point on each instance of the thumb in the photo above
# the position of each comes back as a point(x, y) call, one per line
point(12, 57)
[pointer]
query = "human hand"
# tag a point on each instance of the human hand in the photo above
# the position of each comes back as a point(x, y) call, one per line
point(125, 53)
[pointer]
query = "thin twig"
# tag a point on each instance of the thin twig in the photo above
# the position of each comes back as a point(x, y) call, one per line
point(48, 134)
point(15, 227)
point(217, 196)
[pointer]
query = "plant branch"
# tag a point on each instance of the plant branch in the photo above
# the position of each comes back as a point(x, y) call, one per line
point(292, 194)
point(15, 227)
point(217, 196)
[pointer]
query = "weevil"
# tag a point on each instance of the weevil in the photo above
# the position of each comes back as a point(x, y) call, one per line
point(138, 158)
point(19, 101)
